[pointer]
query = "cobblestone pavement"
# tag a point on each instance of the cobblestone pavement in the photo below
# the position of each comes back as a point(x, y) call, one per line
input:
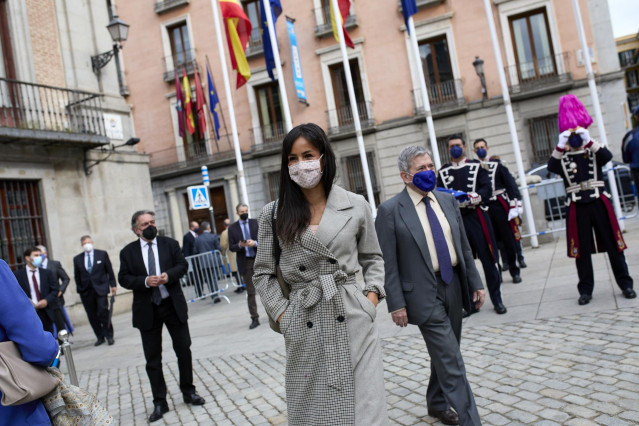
point(569, 370)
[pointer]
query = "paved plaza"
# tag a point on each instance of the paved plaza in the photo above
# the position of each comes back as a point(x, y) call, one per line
point(548, 361)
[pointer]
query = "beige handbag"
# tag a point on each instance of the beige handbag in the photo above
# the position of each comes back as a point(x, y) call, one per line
point(20, 381)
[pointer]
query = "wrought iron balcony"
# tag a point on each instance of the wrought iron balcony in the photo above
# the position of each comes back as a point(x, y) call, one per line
point(340, 120)
point(176, 62)
point(446, 95)
point(267, 136)
point(541, 75)
point(162, 6)
point(255, 46)
point(38, 112)
point(323, 26)
point(190, 157)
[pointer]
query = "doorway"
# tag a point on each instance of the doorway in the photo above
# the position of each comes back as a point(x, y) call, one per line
point(220, 212)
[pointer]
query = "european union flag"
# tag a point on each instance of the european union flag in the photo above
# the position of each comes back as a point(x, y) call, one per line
point(276, 9)
point(409, 8)
point(214, 103)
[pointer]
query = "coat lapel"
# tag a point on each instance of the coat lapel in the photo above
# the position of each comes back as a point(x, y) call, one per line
point(410, 218)
point(336, 216)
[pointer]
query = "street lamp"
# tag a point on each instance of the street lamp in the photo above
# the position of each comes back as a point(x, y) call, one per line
point(119, 31)
point(479, 69)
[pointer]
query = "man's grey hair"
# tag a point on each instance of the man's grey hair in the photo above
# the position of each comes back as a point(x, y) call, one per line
point(136, 215)
point(206, 226)
point(406, 156)
point(43, 249)
point(84, 237)
point(240, 205)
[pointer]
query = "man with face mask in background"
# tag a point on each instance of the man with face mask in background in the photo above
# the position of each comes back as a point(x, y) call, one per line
point(61, 277)
point(40, 286)
point(152, 266)
point(429, 272)
point(243, 241)
point(465, 175)
point(95, 279)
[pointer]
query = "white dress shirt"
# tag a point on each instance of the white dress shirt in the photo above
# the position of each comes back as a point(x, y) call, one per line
point(145, 255)
point(34, 298)
point(88, 255)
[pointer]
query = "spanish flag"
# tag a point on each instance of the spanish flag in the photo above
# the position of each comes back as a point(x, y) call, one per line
point(344, 9)
point(238, 31)
point(188, 104)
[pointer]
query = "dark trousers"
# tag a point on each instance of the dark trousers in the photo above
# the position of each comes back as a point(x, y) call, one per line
point(448, 384)
point(47, 324)
point(165, 314)
point(97, 309)
point(479, 245)
point(594, 216)
point(250, 288)
point(504, 235)
point(58, 318)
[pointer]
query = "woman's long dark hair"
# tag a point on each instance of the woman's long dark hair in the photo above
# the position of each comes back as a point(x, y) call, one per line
point(293, 212)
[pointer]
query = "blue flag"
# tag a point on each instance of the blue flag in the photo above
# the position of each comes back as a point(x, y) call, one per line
point(214, 103)
point(409, 8)
point(276, 9)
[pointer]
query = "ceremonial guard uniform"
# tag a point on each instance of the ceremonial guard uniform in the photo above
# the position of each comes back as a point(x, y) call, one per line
point(469, 176)
point(503, 201)
point(589, 209)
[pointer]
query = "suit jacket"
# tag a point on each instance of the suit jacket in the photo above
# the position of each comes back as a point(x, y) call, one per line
point(235, 236)
point(20, 324)
point(188, 244)
point(133, 275)
point(48, 287)
point(101, 276)
point(207, 242)
point(60, 276)
point(410, 280)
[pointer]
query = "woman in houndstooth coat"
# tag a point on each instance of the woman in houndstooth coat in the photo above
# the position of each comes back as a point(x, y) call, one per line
point(334, 371)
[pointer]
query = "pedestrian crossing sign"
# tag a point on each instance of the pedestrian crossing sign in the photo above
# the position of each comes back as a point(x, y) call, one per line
point(198, 197)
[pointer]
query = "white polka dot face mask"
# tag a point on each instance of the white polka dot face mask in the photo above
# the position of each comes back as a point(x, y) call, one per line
point(306, 174)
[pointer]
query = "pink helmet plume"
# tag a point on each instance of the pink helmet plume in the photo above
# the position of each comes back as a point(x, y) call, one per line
point(572, 113)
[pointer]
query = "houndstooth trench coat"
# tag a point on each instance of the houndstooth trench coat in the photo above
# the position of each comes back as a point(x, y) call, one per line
point(334, 371)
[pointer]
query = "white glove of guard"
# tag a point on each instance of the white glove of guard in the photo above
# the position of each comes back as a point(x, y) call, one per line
point(585, 136)
point(512, 213)
point(474, 198)
point(520, 208)
point(563, 139)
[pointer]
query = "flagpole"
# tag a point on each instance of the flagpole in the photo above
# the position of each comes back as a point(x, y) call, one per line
point(278, 65)
point(597, 107)
point(227, 89)
point(354, 109)
point(211, 121)
point(511, 125)
point(422, 86)
point(226, 130)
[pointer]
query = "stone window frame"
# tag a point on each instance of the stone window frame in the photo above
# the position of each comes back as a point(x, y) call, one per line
point(166, 41)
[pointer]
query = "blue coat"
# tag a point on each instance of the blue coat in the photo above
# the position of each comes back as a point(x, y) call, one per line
point(630, 148)
point(20, 324)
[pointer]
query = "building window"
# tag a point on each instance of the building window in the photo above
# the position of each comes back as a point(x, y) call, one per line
point(442, 146)
point(532, 44)
point(181, 51)
point(626, 57)
point(252, 10)
point(273, 185)
point(355, 175)
point(20, 220)
point(343, 111)
point(270, 112)
point(632, 79)
point(438, 71)
point(543, 137)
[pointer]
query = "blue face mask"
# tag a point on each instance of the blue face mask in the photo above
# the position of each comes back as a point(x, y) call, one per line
point(481, 153)
point(456, 151)
point(36, 260)
point(425, 181)
point(575, 140)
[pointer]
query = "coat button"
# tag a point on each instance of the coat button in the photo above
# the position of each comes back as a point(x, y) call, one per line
point(302, 268)
point(340, 318)
point(309, 324)
point(332, 261)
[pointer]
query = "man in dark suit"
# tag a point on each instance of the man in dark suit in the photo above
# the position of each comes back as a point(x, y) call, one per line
point(61, 277)
point(94, 279)
point(188, 241)
point(208, 242)
point(429, 270)
point(40, 286)
point(152, 266)
point(243, 241)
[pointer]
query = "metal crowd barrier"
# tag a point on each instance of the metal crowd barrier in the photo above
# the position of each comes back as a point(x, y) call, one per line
point(552, 194)
point(206, 277)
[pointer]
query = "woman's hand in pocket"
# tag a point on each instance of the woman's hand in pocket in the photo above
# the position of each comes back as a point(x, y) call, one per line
point(373, 297)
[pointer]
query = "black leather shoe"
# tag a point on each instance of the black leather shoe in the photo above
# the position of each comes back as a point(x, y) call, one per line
point(110, 341)
point(465, 313)
point(629, 293)
point(500, 309)
point(584, 299)
point(239, 290)
point(193, 399)
point(505, 267)
point(158, 411)
point(447, 417)
point(522, 264)
point(217, 300)
point(254, 323)
point(516, 279)
point(98, 342)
